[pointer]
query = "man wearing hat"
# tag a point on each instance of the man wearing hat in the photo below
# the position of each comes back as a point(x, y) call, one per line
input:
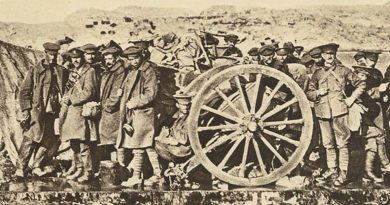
point(110, 93)
point(39, 100)
point(315, 54)
point(370, 130)
point(266, 57)
point(289, 48)
point(376, 90)
point(327, 90)
point(91, 56)
point(81, 131)
point(137, 115)
point(231, 41)
point(253, 56)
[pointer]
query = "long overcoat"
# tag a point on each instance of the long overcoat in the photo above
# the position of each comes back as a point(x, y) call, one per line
point(140, 90)
point(33, 95)
point(111, 82)
point(86, 89)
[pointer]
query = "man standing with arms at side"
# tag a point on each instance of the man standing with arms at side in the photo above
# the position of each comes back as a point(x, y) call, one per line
point(39, 100)
point(110, 94)
point(327, 90)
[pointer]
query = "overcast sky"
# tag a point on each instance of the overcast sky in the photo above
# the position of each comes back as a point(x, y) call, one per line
point(41, 11)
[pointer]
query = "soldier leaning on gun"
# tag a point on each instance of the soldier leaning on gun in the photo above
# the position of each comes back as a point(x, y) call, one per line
point(39, 102)
point(327, 90)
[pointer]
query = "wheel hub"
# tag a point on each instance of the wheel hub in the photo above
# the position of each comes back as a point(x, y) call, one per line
point(252, 126)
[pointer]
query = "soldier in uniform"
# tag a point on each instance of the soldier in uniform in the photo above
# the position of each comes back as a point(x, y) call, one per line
point(376, 88)
point(282, 54)
point(91, 57)
point(266, 57)
point(79, 130)
point(110, 94)
point(39, 101)
point(327, 90)
point(232, 51)
point(290, 48)
point(371, 132)
point(253, 56)
point(137, 115)
point(315, 54)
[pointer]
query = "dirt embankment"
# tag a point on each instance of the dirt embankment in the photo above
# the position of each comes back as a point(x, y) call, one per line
point(14, 63)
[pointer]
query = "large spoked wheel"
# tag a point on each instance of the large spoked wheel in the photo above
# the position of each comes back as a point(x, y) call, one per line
point(250, 125)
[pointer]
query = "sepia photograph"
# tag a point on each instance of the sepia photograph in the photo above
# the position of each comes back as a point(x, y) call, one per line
point(224, 102)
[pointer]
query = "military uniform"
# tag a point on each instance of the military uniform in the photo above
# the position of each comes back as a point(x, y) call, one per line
point(233, 50)
point(331, 109)
point(80, 131)
point(138, 115)
point(39, 101)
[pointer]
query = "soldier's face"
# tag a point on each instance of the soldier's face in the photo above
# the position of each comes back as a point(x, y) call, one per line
point(328, 57)
point(51, 57)
point(109, 59)
point(134, 61)
point(76, 61)
point(281, 57)
point(89, 57)
point(296, 54)
point(267, 59)
point(370, 63)
point(317, 60)
point(362, 76)
point(361, 62)
point(230, 43)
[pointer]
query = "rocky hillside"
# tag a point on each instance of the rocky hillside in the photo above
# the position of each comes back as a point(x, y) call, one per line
point(351, 26)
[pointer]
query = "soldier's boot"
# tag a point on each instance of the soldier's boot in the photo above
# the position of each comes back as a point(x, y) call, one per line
point(369, 176)
point(79, 167)
point(330, 174)
point(136, 166)
point(342, 179)
point(156, 178)
point(121, 158)
point(383, 158)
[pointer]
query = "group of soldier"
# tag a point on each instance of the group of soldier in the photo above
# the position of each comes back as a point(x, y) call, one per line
point(345, 102)
point(62, 102)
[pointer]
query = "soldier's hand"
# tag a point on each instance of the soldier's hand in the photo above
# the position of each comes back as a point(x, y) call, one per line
point(65, 100)
point(322, 92)
point(383, 87)
point(349, 101)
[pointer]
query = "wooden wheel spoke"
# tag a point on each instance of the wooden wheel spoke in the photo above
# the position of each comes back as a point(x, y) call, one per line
point(220, 140)
point(259, 157)
point(242, 97)
point(273, 150)
point(286, 122)
point(279, 108)
point(231, 151)
point(220, 113)
point(255, 94)
point(229, 102)
point(244, 157)
point(219, 127)
point(279, 136)
point(267, 101)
